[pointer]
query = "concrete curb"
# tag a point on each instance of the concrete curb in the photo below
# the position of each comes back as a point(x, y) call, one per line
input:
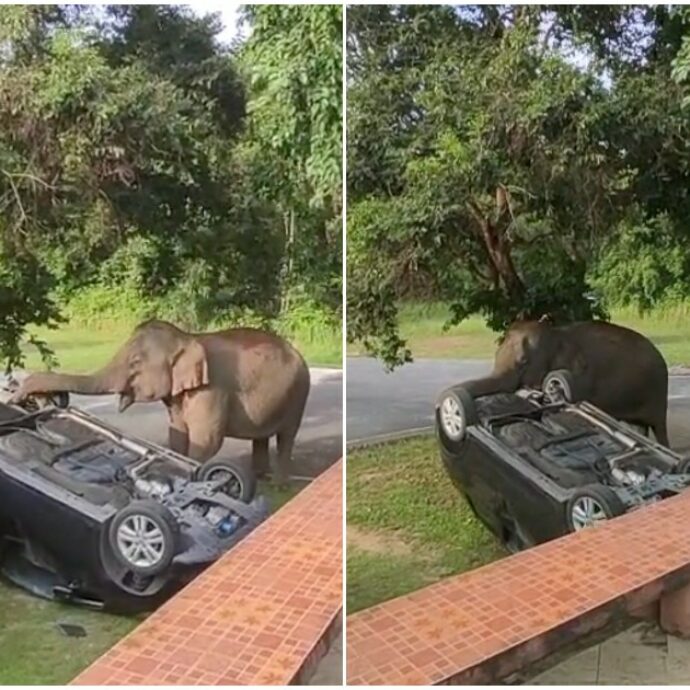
point(381, 439)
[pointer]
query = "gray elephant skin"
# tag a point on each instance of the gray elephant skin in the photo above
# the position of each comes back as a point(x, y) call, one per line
point(616, 369)
point(242, 382)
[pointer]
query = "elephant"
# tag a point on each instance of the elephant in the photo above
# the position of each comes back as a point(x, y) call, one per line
point(614, 368)
point(241, 382)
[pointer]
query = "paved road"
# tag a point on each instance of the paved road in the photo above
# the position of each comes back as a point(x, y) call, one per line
point(381, 403)
point(318, 445)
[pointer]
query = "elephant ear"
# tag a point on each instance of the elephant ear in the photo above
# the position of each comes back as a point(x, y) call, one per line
point(190, 368)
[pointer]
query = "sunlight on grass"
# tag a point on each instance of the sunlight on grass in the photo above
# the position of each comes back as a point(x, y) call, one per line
point(422, 325)
point(79, 348)
point(412, 527)
point(83, 348)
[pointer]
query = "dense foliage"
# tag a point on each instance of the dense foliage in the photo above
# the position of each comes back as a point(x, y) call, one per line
point(295, 58)
point(512, 160)
point(148, 166)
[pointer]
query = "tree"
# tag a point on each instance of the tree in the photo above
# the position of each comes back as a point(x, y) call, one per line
point(293, 61)
point(126, 161)
point(490, 159)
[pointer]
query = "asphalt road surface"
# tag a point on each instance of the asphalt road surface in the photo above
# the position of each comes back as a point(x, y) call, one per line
point(318, 444)
point(381, 403)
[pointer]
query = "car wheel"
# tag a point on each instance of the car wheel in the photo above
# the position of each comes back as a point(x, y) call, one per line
point(559, 386)
point(143, 537)
point(591, 505)
point(60, 400)
point(239, 480)
point(456, 412)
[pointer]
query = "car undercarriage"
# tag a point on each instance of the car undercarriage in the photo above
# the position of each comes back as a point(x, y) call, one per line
point(89, 514)
point(535, 464)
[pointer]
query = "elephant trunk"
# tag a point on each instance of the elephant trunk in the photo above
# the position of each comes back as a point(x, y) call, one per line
point(505, 382)
point(105, 381)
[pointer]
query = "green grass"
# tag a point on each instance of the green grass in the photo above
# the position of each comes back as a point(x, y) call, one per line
point(407, 524)
point(79, 348)
point(33, 651)
point(84, 347)
point(278, 496)
point(319, 348)
point(668, 329)
point(422, 326)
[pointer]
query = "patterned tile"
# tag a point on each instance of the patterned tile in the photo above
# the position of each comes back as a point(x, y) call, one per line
point(258, 616)
point(471, 624)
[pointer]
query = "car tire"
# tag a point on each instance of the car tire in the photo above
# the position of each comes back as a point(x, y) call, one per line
point(143, 537)
point(35, 403)
point(559, 386)
point(241, 476)
point(456, 412)
point(60, 400)
point(590, 505)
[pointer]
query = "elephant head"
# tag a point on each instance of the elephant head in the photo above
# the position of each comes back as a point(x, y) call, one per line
point(158, 361)
point(526, 353)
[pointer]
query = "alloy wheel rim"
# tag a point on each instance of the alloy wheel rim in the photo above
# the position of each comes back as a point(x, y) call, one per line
point(586, 512)
point(554, 390)
point(141, 541)
point(452, 418)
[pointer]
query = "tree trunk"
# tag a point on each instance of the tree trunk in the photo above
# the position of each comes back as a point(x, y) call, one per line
point(289, 224)
point(498, 246)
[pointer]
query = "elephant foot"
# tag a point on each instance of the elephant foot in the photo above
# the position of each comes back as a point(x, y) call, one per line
point(280, 480)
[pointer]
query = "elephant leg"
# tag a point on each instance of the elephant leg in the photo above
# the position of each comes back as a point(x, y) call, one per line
point(661, 432)
point(286, 437)
point(286, 441)
point(178, 439)
point(204, 442)
point(260, 456)
point(178, 435)
point(204, 415)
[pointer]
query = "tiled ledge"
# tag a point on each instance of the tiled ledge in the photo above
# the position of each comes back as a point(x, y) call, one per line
point(484, 625)
point(261, 615)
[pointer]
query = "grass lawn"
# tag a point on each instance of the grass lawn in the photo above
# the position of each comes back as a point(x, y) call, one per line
point(82, 348)
point(33, 651)
point(407, 526)
point(278, 496)
point(422, 326)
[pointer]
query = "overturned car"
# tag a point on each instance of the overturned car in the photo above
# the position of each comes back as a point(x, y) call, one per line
point(535, 465)
point(93, 516)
